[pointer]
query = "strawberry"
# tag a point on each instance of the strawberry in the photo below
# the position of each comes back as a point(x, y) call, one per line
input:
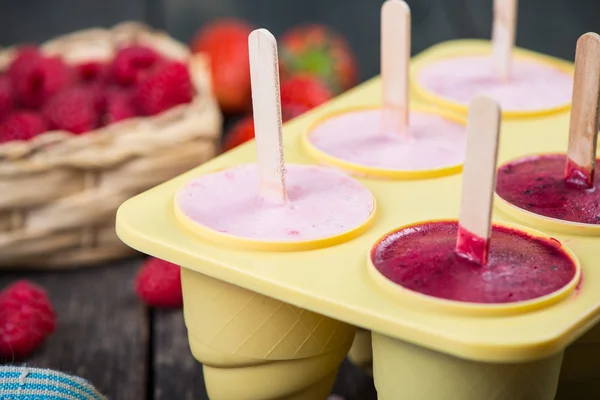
point(241, 132)
point(26, 319)
point(298, 95)
point(318, 50)
point(301, 93)
point(167, 86)
point(226, 43)
point(158, 284)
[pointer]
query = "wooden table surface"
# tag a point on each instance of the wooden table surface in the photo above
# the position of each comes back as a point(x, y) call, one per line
point(129, 352)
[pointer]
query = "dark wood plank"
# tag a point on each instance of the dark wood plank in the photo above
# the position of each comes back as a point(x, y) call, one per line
point(177, 375)
point(102, 330)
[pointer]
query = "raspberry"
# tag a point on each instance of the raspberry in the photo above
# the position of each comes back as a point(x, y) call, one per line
point(165, 87)
point(36, 78)
point(24, 60)
point(118, 107)
point(91, 72)
point(6, 96)
point(158, 284)
point(98, 93)
point(131, 63)
point(26, 319)
point(73, 110)
point(22, 125)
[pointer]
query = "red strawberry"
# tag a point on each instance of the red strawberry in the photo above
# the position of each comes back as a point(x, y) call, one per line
point(301, 93)
point(167, 86)
point(6, 96)
point(132, 63)
point(118, 106)
point(319, 51)
point(26, 319)
point(73, 110)
point(158, 284)
point(22, 125)
point(36, 79)
point(241, 132)
point(226, 43)
point(298, 95)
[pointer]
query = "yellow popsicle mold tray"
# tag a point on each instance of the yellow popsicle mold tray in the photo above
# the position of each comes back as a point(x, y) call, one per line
point(335, 281)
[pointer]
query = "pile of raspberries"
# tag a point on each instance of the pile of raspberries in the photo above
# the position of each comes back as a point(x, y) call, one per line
point(39, 93)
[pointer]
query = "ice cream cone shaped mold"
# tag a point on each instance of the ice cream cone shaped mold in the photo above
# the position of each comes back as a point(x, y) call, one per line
point(361, 353)
point(447, 354)
point(244, 340)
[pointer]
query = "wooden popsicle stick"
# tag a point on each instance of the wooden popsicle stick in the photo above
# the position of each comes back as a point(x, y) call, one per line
point(395, 57)
point(504, 29)
point(479, 180)
point(583, 131)
point(266, 105)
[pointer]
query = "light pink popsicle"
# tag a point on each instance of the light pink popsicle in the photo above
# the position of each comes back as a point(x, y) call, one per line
point(321, 202)
point(531, 85)
point(358, 137)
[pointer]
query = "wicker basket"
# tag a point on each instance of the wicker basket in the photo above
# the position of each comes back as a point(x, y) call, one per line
point(59, 192)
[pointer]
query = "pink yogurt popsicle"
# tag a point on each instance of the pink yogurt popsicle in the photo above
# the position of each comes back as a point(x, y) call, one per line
point(321, 203)
point(531, 86)
point(358, 137)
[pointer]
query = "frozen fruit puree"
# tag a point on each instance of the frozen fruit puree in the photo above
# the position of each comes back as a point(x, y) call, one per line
point(531, 85)
point(358, 137)
point(537, 184)
point(321, 203)
point(521, 267)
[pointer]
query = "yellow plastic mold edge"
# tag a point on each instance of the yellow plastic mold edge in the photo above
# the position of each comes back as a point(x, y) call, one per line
point(242, 243)
point(457, 48)
point(477, 309)
point(375, 172)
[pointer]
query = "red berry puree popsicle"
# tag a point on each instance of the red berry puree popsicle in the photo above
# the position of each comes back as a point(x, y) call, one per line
point(537, 184)
point(520, 267)
point(563, 186)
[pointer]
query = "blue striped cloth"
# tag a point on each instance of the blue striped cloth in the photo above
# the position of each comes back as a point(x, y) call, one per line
point(24, 383)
